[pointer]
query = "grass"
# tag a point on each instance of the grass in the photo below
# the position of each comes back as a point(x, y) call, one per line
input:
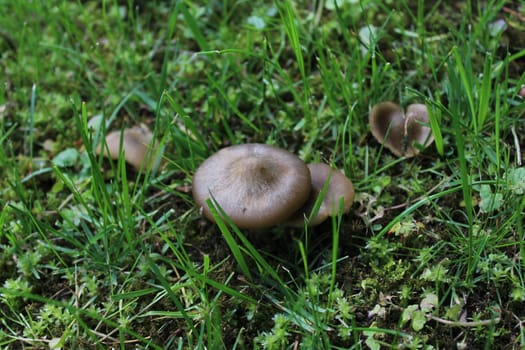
point(95, 254)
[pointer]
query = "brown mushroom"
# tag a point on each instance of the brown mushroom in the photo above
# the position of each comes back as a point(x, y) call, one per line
point(403, 134)
point(137, 143)
point(338, 187)
point(256, 185)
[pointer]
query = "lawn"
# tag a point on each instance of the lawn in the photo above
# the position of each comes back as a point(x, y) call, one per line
point(99, 253)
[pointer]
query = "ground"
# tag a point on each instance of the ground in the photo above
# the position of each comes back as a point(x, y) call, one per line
point(97, 254)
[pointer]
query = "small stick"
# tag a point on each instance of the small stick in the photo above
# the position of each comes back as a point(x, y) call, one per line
point(514, 13)
point(464, 323)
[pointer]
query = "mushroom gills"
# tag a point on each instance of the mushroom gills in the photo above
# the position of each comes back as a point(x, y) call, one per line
point(403, 134)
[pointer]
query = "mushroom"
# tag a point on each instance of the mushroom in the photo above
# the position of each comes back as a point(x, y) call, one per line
point(338, 187)
point(256, 185)
point(403, 134)
point(137, 143)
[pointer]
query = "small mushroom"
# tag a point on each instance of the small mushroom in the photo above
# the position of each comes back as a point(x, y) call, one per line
point(403, 134)
point(137, 143)
point(339, 187)
point(256, 185)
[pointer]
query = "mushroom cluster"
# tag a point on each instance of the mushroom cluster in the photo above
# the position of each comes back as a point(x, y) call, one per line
point(258, 186)
point(404, 134)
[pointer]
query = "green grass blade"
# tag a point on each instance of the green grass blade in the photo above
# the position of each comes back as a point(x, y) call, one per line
point(485, 92)
point(234, 247)
point(134, 294)
point(434, 116)
point(289, 20)
point(191, 21)
point(415, 206)
point(467, 86)
point(171, 294)
point(220, 89)
point(32, 120)
point(264, 267)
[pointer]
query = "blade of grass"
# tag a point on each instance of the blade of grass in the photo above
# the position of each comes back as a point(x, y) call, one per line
point(434, 116)
point(220, 89)
point(125, 214)
point(485, 92)
point(172, 23)
point(290, 20)
point(417, 205)
point(460, 89)
point(32, 120)
point(336, 228)
point(171, 294)
point(193, 137)
point(467, 86)
point(234, 247)
point(134, 294)
point(191, 21)
point(497, 122)
point(185, 263)
point(249, 249)
point(288, 17)
point(304, 257)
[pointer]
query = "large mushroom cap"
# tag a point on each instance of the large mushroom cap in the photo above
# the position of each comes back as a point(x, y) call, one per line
point(136, 144)
point(339, 187)
point(401, 133)
point(256, 185)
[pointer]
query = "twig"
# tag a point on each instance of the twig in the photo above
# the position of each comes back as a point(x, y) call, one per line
point(514, 13)
point(398, 206)
point(103, 337)
point(465, 323)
